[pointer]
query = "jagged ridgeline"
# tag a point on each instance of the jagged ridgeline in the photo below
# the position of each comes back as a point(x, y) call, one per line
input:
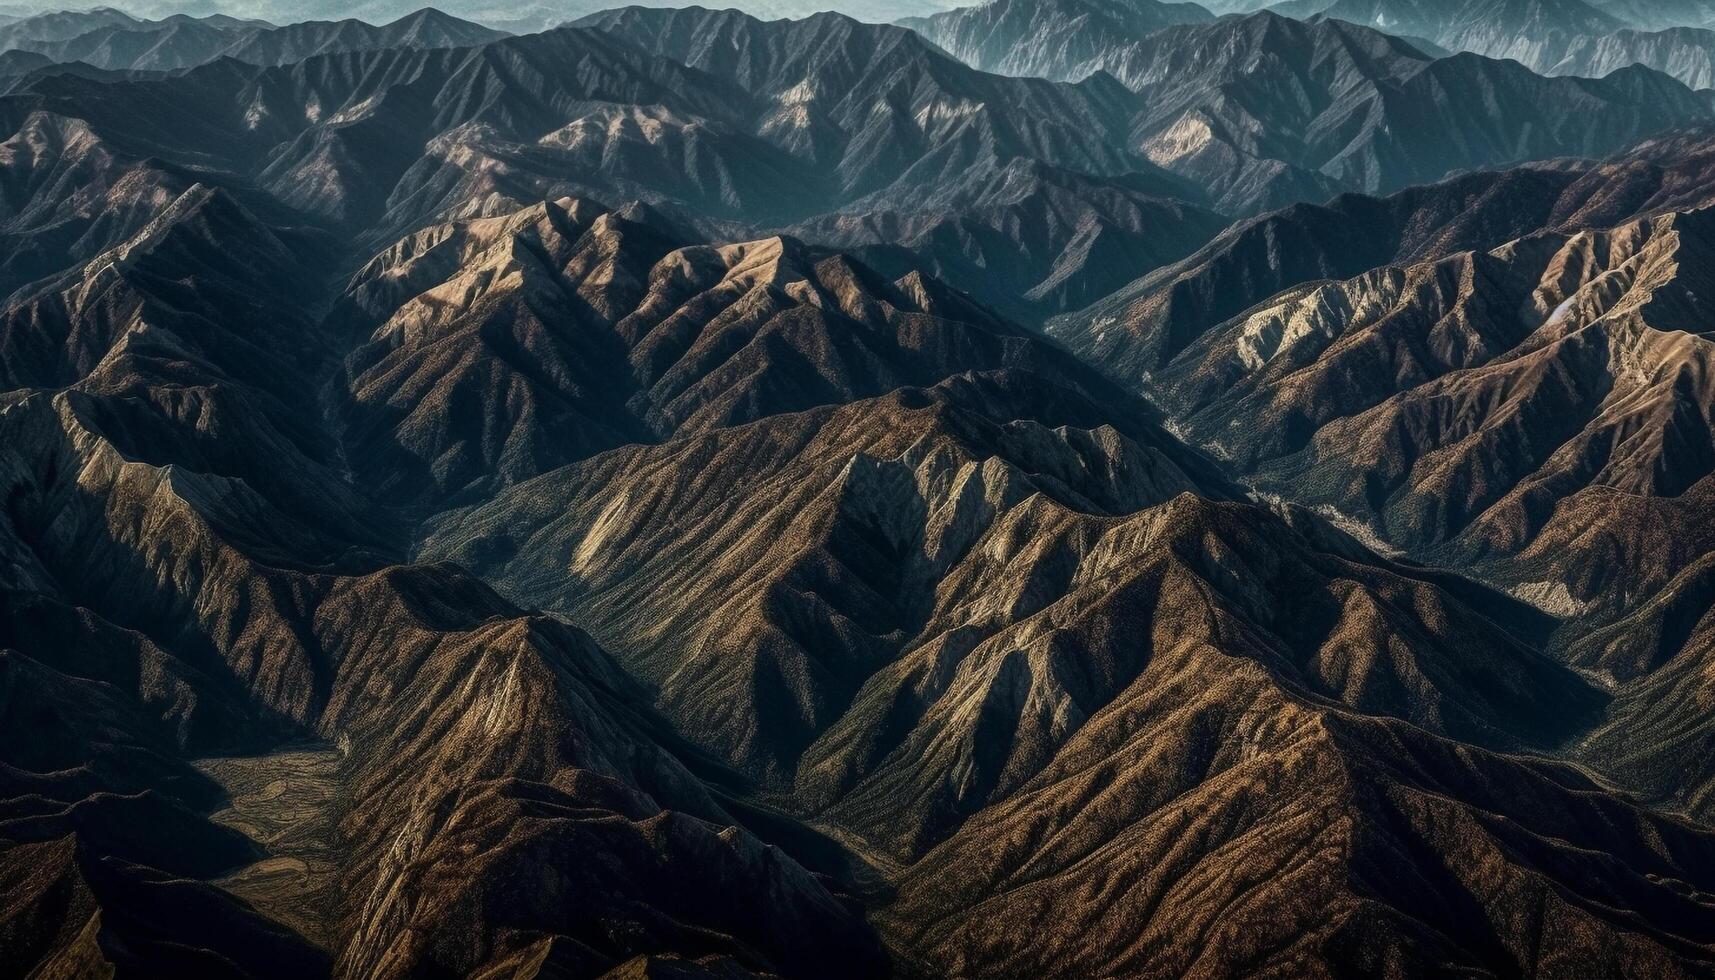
point(1080, 488)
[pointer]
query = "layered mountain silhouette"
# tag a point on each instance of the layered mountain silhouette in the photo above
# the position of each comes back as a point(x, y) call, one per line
point(599, 503)
point(805, 131)
point(1558, 37)
point(114, 41)
point(1529, 31)
point(1686, 53)
point(1263, 110)
point(1661, 15)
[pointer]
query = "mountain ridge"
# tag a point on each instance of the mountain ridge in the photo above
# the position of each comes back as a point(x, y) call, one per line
point(598, 503)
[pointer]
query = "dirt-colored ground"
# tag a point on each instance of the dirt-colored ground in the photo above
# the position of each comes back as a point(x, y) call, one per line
point(289, 803)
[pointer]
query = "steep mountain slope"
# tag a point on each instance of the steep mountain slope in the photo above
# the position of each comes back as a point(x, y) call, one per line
point(1263, 110)
point(407, 570)
point(1061, 39)
point(578, 111)
point(914, 588)
point(1490, 302)
point(335, 135)
point(1139, 329)
point(883, 537)
point(1562, 37)
point(1054, 240)
point(505, 347)
point(1530, 520)
point(1657, 15)
point(1534, 32)
point(68, 197)
point(1686, 53)
point(1256, 106)
point(1536, 412)
point(878, 106)
point(180, 526)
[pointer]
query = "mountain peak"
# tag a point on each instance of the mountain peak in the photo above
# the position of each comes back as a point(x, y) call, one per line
point(1109, 491)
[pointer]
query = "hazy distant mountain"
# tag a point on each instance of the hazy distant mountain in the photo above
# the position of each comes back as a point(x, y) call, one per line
point(1263, 109)
point(1257, 111)
point(1655, 15)
point(15, 62)
point(1686, 53)
point(1534, 32)
point(182, 42)
point(634, 126)
point(62, 25)
point(851, 134)
point(1060, 39)
point(521, 16)
point(1071, 39)
point(1563, 37)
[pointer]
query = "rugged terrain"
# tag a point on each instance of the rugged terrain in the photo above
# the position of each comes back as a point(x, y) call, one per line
point(1518, 393)
point(598, 504)
point(1052, 39)
point(1264, 110)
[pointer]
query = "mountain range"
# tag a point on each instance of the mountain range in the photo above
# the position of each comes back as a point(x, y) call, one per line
point(1558, 37)
point(1564, 37)
point(689, 495)
point(1007, 36)
point(184, 42)
point(512, 16)
point(1179, 111)
point(1585, 393)
point(1686, 53)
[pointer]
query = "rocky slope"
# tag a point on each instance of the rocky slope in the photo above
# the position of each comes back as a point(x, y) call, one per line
point(1264, 110)
point(62, 25)
point(880, 537)
point(916, 588)
point(1033, 240)
point(1657, 15)
point(416, 563)
point(211, 603)
point(1139, 329)
point(1532, 409)
point(845, 133)
point(1534, 32)
point(1062, 39)
point(1563, 37)
point(1686, 53)
point(501, 348)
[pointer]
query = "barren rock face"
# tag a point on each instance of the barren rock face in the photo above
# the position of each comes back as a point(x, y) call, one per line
point(585, 504)
point(1535, 411)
